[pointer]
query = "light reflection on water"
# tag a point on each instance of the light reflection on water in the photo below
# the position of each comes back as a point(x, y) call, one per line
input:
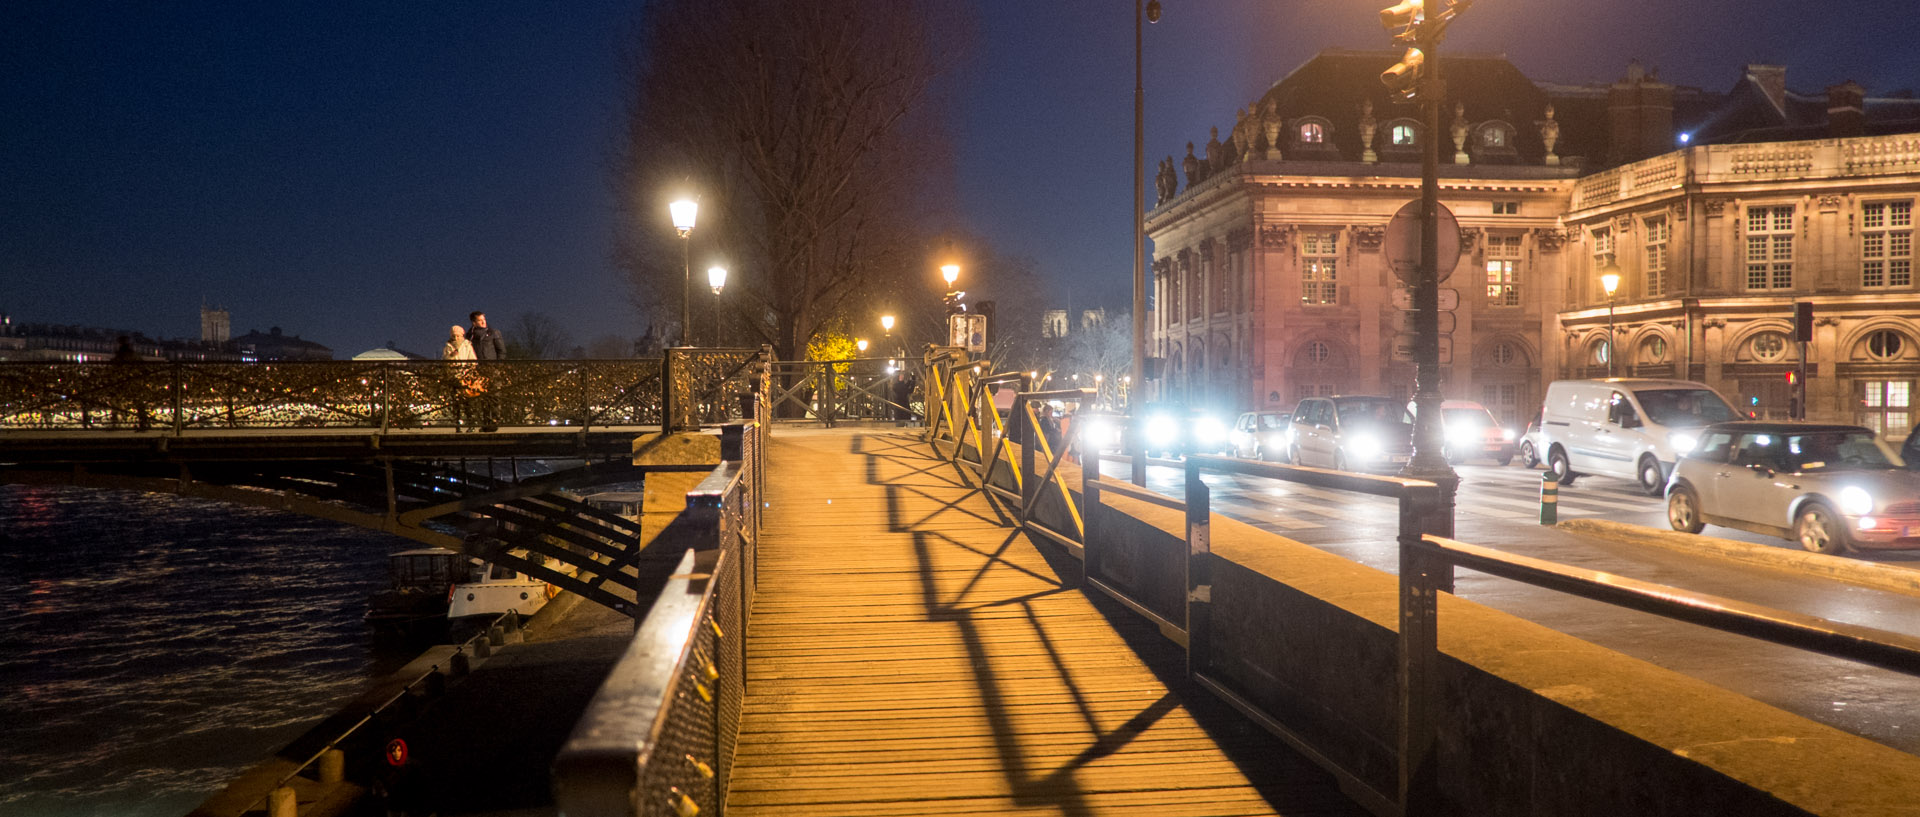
point(158, 645)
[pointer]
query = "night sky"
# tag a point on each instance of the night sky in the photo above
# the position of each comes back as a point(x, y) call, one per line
point(364, 172)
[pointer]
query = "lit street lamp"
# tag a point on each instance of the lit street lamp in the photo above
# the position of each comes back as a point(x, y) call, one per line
point(716, 278)
point(951, 272)
point(683, 211)
point(1610, 281)
point(861, 344)
point(886, 324)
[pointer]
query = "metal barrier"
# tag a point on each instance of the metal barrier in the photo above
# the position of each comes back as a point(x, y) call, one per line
point(659, 736)
point(831, 392)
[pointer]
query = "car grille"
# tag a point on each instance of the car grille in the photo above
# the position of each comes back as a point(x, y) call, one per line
point(1902, 509)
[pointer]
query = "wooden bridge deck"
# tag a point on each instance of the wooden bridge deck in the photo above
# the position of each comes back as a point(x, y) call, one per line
point(909, 655)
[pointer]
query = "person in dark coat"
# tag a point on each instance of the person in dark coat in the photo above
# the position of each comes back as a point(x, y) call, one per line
point(488, 344)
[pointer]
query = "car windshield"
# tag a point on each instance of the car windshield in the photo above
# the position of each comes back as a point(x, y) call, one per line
point(1835, 451)
point(1273, 421)
point(1684, 407)
point(1372, 411)
point(1466, 417)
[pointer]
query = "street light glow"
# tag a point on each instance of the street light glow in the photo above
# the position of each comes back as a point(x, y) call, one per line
point(861, 344)
point(886, 322)
point(951, 272)
point(1610, 282)
point(716, 277)
point(684, 211)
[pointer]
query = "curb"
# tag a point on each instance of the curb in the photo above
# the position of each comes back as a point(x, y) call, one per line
point(1840, 568)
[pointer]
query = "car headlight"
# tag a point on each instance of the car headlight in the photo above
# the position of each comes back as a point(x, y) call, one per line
point(1209, 431)
point(1161, 431)
point(1464, 436)
point(1365, 446)
point(1506, 434)
point(1682, 443)
point(1855, 501)
point(1098, 432)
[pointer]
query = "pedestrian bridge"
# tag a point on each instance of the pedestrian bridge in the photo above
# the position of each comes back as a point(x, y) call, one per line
point(959, 619)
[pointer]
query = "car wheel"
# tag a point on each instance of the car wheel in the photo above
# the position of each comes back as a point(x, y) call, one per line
point(1820, 530)
point(1529, 457)
point(1504, 459)
point(1653, 480)
point(1562, 470)
point(1683, 511)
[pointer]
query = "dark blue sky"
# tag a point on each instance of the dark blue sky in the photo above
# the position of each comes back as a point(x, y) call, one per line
point(365, 172)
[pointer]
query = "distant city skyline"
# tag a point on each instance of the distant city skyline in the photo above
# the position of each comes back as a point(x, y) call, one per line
point(364, 173)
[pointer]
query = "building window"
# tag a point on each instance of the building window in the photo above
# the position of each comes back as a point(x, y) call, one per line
point(1599, 352)
point(1886, 244)
point(1506, 208)
point(1770, 247)
point(1658, 232)
point(1319, 270)
point(1312, 134)
point(1768, 347)
point(1654, 350)
point(1504, 354)
point(1317, 353)
point(1403, 135)
point(1173, 295)
point(1217, 271)
point(1885, 406)
point(1493, 137)
point(1885, 344)
point(1503, 270)
point(1197, 288)
point(1602, 251)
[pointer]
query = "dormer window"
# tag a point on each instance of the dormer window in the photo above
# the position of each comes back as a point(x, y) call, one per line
point(1312, 134)
point(1403, 135)
point(1494, 137)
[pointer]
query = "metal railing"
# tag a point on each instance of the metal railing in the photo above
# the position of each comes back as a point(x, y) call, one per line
point(658, 738)
point(831, 392)
point(684, 388)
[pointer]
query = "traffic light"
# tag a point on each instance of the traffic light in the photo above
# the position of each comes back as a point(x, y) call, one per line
point(1404, 77)
point(1803, 321)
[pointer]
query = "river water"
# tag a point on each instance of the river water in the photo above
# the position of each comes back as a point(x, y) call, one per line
point(156, 646)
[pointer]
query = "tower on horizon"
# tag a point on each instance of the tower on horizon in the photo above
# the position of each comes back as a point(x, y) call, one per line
point(216, 325)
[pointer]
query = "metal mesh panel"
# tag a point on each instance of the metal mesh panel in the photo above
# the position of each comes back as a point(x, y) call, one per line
point(686, 739)
point(330, 394)
point(704, 384)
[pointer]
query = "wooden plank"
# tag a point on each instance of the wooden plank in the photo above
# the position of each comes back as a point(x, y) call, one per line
point(912, 655)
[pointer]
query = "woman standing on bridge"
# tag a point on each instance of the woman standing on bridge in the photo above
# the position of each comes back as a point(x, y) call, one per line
point(458, 348)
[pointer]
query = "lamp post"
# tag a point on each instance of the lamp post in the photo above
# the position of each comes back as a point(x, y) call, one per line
point(1151, 14)
point(861, 345)
point(716, 278)
point(1610, 281)
point(683, 211)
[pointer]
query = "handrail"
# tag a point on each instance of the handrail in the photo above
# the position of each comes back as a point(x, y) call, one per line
point(1132, 491)
point(1882, 648)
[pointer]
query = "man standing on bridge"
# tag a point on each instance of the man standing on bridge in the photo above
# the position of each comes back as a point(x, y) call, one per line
point(488, 344)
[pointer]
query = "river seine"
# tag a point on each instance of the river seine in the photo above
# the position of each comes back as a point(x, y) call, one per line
point(156, 646)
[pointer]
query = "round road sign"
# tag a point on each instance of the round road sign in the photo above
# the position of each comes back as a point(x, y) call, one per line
point(1402, 245)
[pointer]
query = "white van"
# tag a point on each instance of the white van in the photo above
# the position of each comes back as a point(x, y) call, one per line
point(1626, 427)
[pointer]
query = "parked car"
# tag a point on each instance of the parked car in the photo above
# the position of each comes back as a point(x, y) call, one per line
point(1471, 431)
point(1827, 487)
point(1352, 432)
point(1633, 428)
point(1262, 434)
point(1529, 448)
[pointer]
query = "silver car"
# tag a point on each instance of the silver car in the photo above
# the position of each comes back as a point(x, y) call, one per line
point(1829, 487)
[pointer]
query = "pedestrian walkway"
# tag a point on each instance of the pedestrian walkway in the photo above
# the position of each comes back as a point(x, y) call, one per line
point(910, 655)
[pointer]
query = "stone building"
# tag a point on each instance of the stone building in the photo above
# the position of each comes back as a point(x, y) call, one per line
point(1271, 280)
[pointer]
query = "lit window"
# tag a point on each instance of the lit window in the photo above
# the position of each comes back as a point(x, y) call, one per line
point(1885, 406)
point(1495, 137)
point(1311, 133)
point(1503, 270)
point(1319, 270)
point(1886, 244)
point(1403, 135)
point(1770, 247)
point(1658, 232)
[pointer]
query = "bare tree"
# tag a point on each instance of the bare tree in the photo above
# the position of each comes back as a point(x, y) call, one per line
point(538, 336)
point(810, 133)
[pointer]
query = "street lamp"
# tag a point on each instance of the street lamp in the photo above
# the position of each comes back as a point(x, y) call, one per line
point(861, 344)
point(886, 324)
point(1610, 281)
point(716, 278)
point(683, 211)
point(951, 272)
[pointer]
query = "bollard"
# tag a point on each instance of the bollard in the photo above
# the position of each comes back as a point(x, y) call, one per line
point(497, 635)
point(282, 802)
point(333, 767)
point(1549, 499)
